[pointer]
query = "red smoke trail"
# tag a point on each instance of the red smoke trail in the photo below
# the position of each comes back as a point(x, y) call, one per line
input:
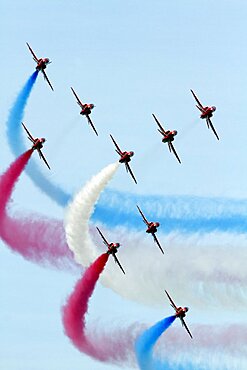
point(38, 240)
point(76, 308)
point(111, 346)
point(10, 177)
point(42, 241)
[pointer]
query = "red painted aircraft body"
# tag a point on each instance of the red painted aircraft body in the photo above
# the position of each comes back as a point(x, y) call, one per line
point(41, 65)
point(37, 144)
point(86, 110)
point(151, 228)
point(112, 248)
point(125, 157)
point(206, 113)
point(168, 137)
point(180, 313)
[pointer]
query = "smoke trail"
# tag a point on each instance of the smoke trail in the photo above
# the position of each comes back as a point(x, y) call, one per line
point(116, 346)
point(16, 114)
point(117, 351)
point(180, 356)
point(76, 308)
point(146, 341)
point(215, 279)
point(17, 145)
point(185, 214)
point(212, 343)
point(182, 213)
point(79, 213)
point(38, 240)
point(9, 178)
point(208, 274)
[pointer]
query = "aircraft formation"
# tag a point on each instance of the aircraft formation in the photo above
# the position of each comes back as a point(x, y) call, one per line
point(125, 157)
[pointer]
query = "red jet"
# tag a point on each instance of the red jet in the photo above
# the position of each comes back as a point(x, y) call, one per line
point(180, 313)
point(41, 65)
point(125, 158)
point(206, 113)
point(168, 137)
point(86, 110)
point(112, 249)
point(37, 144)
point(152, 228)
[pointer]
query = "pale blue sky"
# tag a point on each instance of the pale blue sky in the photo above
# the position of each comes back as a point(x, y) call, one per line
point(130, 59)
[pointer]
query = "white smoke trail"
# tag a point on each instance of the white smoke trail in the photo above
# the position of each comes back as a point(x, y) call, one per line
point(202, 271)
point(79, 213)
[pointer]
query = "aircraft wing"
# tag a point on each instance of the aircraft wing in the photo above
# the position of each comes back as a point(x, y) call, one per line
point(29, 135)
point(128, 169)
point(34, 56)
point(91, 123)
point(118, 149)
point(43, 157)
point(209, 122)
point(46, 78)
point(117, 261)
point(186, 327)
point(197, 100)
point(77, 98)
point(144, 218)
point(171, 147)
point(162, 130)
point(172, 303)
point(157, 242)
point(102, 236)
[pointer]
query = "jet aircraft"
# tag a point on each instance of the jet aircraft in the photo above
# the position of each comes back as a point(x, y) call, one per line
point(37, 144)
point(41, 64)
point(86, 110)
point(168, 137)
point(206, 113)
point(151, 228)
point(125, 157)
point(180, 313)
point(112, 249)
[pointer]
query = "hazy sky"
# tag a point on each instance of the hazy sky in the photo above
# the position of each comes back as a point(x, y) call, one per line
point(130, 59)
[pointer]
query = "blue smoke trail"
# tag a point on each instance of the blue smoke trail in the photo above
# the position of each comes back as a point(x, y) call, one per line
point(17, 145)
point(144, 347)
point(186, 214)
point(180, 213)
point(146, 341)
point(16, 114)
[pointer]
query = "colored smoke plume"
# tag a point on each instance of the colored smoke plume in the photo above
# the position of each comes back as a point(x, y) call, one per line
point(36, 239)
point(145, 343)
point(79, 213)
point(76, 308)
